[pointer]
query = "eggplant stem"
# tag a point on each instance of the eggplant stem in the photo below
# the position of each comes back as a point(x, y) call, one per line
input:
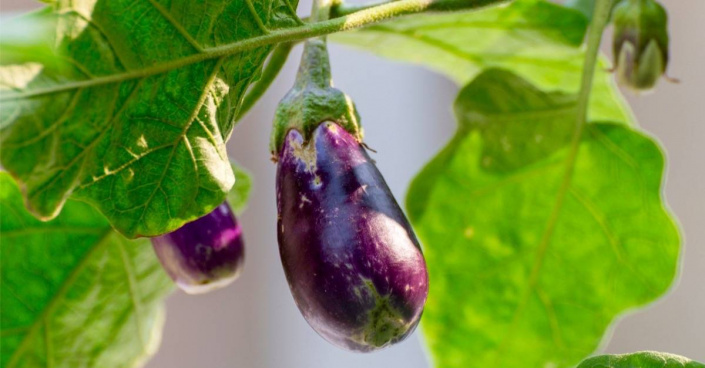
point(315, 64)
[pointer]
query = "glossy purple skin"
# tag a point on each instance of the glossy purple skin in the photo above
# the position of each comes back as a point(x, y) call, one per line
point(205, 254)
point(351, 258)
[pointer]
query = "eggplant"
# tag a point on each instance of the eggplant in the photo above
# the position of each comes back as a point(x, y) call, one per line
point(352, 261)
point(205, 254)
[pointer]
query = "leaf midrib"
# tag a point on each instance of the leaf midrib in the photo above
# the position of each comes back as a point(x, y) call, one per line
point(303, 31)
point(594, 38)
point(65, 287)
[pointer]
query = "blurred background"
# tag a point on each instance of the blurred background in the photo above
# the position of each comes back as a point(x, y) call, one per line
point(406, 113)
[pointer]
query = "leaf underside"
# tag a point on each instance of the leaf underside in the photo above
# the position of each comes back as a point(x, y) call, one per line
point(148, 151)
point(524, 273)
point(75, 293)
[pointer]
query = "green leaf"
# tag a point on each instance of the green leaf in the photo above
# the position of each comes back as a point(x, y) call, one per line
point(75, 293)
point(519, 123)
point(642, 359)
point(532, 255)
point(240, 193)
point(148, 148)
point(539, 40)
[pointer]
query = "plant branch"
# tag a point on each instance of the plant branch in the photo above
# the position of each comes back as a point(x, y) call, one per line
point(351, 21)
point(340, 9)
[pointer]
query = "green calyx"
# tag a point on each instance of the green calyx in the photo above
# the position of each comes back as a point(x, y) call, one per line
point(640, 42)
point(313, 100)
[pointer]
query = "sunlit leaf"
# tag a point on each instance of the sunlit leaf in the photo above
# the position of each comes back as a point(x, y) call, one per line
point(75, 293)
point(533, 252)
point(137, 125)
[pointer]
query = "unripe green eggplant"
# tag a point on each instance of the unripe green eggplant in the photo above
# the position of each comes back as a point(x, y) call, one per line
point(640, 44)
point(350, 256)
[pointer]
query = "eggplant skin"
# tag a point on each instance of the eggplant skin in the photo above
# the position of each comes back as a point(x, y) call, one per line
point(205, 254)
point(350, 256)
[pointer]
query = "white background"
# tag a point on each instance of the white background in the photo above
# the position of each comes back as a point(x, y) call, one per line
point(407, 118)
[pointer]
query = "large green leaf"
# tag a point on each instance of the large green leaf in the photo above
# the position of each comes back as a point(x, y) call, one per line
point(539, 40)
point(137, 125)
point(532, 252)
point(75, 293)
point(642, 359)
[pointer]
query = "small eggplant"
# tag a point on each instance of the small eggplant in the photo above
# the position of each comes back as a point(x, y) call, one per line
point(350, 256)
point(205, 254)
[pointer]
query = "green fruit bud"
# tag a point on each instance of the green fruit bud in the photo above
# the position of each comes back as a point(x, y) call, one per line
point(640, 43)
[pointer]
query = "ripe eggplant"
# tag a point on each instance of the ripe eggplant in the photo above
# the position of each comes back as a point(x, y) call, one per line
point(352, 261)
point(205, 254)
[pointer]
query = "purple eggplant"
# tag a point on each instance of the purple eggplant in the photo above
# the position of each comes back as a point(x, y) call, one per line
point(205, 254)
point(350, 256)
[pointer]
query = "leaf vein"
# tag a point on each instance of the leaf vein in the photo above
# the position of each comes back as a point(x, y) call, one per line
point(48, 130)
point(179, 28)
point(256, 16)
point(92, 22)
point(132, 288)
point(618, 251)
point(80, 266)
point(194, 115)
point(110, 120)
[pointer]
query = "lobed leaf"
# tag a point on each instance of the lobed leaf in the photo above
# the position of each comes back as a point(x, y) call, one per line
point(75, 293)
point(532, 252)
point(129, 127)
point(642, 359)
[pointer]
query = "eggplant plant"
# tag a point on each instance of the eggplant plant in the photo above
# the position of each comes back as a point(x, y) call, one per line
point(538, 225)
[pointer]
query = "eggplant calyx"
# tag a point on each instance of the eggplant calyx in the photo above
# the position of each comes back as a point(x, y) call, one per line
point(313, 100)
